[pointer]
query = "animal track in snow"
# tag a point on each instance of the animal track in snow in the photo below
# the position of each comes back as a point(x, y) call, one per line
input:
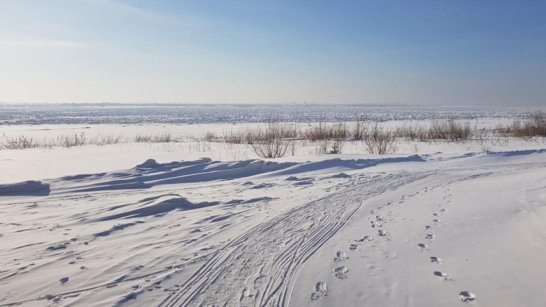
point(429, 236)
point(379, 218)
point(341, 272)
point(244, 294)
point(320, 291)
point(467, 296)
point(382, 233)
point(341, 256)
point(354, 247)
point(434, 259)
point(422, 245)
point(440, 274)
point(364, 238)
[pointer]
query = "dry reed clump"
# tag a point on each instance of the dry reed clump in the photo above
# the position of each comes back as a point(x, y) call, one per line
point(533, 127)
point(412, 132)
point(210, 137)
point(67, 141)
point(235, 138)
point(158, 138)
point(380, 140)
point(71, 140)
point(327, 146)
point(107, 140)
point(271, 141)
point(18, 142)
point(327, 132)
point(360, 129)
point(449, 130)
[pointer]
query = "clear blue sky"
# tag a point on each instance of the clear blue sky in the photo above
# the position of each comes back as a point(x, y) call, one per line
point(462, 52)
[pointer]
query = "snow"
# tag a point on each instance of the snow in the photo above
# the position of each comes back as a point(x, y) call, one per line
point(191, 224)
point(78, 114)
point(24, 188)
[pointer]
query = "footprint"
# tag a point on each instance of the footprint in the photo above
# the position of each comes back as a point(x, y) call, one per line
point(341, 272)
point(49, 297)
point(382, 233)
point(63, 280)
point(246, 293)
point(435, 260)
point(467, 296)
point(429, 236)
point(365, 238)
point(320, 291)
point(435, 221)
point(422, 245)
point(440, 275)
point(427, 227)
point(340, 256)
point(354, 247)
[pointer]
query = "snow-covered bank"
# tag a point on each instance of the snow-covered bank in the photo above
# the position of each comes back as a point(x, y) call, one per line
point(415, 230)
point(188, 142)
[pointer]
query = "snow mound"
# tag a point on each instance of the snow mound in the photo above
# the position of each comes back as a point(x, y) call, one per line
point(340, 175)
point(150, 163)
point(511, 153)
point(159, 208)
point(24, 188)
point(264, 199)
point(341, 164)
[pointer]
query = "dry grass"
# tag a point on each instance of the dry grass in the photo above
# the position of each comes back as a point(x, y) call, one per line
point(360, 129)
point(107, 140)
point(327, 146)
point(275, 139)
point(157, 138)
point(271, 141)
point(18, 142)
point(72, 140)
point(210, 137)
point(533, 127)
point(236, 138)
point(327, 132)
point(412, 132)
point(449, 130)
point(380, 140)
point(67, 141)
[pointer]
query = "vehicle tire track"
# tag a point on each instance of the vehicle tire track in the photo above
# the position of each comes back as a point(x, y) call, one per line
point(260, 267)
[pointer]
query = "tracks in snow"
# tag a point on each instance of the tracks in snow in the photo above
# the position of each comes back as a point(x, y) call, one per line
point(260, 267)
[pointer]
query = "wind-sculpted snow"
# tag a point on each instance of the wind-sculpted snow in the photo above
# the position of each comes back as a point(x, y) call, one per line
point(151, 173)
point(24, 188)
point(346, 164)
point(417, 230)
point(155, 208)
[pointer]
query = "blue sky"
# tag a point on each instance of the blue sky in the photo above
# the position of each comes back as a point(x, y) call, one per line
point(373, 52)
